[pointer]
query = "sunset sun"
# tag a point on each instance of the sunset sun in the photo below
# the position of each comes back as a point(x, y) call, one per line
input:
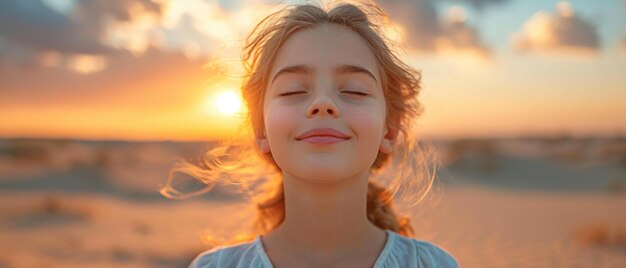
point(228, 103)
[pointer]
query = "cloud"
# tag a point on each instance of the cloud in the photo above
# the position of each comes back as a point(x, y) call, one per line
point(34, 24)
point(34, 33)
point(80, 35)
point(459, 36)
point(125, 25)
point(157, 79)
point(562, 31)
point(425, 30)
point(39, 34)
point(37, 25)
point(204, 28)
point(480, 4)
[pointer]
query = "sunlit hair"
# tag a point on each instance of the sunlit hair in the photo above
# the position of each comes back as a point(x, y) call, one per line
point(407, 173)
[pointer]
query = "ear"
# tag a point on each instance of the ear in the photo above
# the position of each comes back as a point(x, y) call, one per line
point(262, 143)
point(389, 139)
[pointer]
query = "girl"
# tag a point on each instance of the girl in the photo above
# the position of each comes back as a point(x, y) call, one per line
point(329, 103)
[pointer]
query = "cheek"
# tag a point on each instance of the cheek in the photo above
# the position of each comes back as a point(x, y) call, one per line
point(370, 122)
point(278, 121)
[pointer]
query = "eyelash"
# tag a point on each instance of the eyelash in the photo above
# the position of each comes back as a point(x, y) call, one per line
point(355, 93)
point(345, 91)
point(291, 93)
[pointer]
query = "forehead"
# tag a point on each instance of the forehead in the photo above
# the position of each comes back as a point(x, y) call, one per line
point(325, 47)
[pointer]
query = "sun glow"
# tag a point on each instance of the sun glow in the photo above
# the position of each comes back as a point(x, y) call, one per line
point(228, 103)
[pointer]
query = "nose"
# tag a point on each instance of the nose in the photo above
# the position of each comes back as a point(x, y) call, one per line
point(322, 105)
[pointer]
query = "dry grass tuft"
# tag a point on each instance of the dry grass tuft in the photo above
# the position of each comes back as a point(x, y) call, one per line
point(54, 205)
point(28, 151)
point(485, 149)
point(142, 228)
point(601, 234)
point(615, 151)
point(616, 186)
point(121, 254)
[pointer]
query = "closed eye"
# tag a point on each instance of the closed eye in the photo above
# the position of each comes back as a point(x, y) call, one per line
point(355, 93)
point(291, 93)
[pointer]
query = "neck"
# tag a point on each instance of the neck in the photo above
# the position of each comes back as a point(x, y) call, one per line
point(327, 217)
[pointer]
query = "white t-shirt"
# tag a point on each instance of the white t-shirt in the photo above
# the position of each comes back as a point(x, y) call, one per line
point(399, 251)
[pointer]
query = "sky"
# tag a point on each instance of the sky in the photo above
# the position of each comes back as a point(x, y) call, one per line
point(171, 70)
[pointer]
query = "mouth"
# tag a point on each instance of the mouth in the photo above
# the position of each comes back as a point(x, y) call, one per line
point(323, 136)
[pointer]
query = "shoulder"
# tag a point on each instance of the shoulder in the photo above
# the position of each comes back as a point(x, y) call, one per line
point(409, 252)
point(236, 255)
point(432, 255)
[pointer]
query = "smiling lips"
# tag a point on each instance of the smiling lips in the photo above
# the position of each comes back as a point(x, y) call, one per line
point(323, 136)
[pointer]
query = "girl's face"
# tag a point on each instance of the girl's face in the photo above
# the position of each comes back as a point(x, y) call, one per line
point(324, 108)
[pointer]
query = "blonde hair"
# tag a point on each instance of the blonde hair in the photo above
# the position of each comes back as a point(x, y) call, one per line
point(410, 174)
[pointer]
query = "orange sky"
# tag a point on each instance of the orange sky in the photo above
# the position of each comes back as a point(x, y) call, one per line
point(155, 84)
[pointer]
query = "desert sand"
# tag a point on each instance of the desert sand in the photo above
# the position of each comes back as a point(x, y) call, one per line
point(513, 203)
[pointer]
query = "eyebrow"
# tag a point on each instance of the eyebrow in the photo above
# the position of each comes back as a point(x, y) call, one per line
point(342, 69)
